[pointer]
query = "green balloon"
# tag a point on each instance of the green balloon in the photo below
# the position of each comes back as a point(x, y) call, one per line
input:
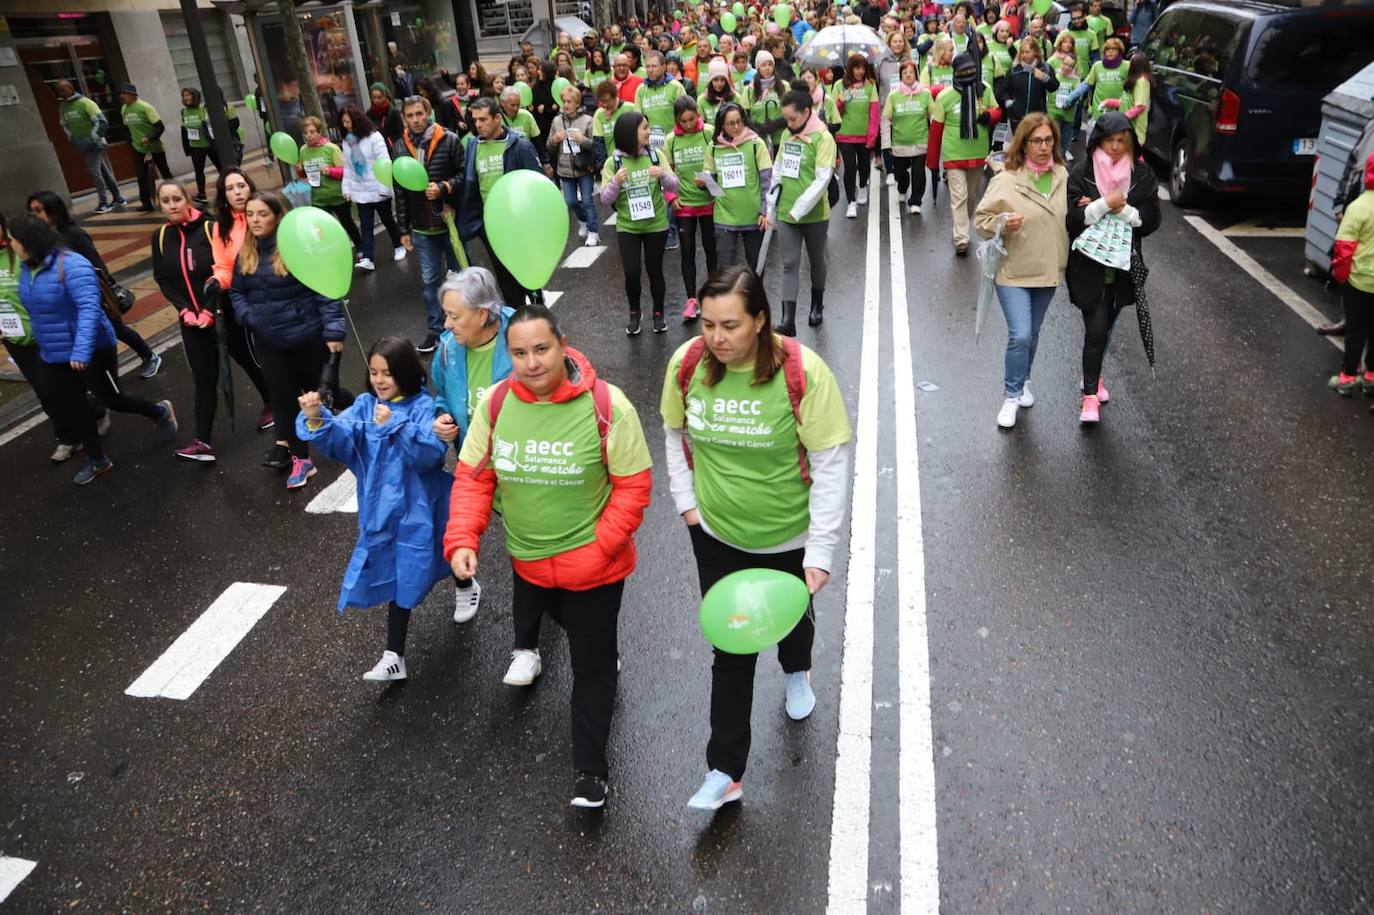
point(808, 35)
point(526, 221)
point(284, 148)
point(409, 173)
point(526, 93)
point(727, 22)
point(738, 10)
point(782, 15)
point(557, 88)
point(316, 250)
point(250, 101)
point(715, 42)
point(752, 609)
point(677, 14)
point(382, 170)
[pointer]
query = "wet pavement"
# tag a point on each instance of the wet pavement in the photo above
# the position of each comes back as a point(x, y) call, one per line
point(1149, 645)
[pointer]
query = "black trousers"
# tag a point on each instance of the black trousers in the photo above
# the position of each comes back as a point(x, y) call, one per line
point(343, 212)
point(732, 675)
point(728, 242)
point(858, 162)
point(31, 367)
point(130, 338)
point(198, 157)
point(511, 290)
point(651, 244)
point(910, 171)
point(145, 175)
point(202, 354)
point(1097, 328)
point(67, 390)
point(290, 372)
point(1359, 329)
point(687, 234)
point(590, 619)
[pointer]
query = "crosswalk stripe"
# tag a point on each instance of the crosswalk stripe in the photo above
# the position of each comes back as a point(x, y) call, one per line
point(206, 642)
point(609, 220)
point(339, 496)
point(12, 873)
point(584, 256)
point(551, 297)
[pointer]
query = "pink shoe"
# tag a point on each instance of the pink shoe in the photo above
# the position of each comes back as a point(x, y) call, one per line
point(197, 451)
point(1091, 407)
point(1102, 396)
point(690, 311)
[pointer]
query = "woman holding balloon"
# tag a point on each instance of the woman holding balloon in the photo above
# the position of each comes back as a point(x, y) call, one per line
point(321, 164)
point(757, 446)
point(363, 147)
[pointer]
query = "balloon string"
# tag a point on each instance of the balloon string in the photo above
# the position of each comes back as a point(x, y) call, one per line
point(354, 327)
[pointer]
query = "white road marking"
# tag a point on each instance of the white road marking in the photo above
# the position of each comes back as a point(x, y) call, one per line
point(206, 642)
point(609, 220)
point(12, 873)
point(920, 883)
point(551, 297)
point(1300, 306)
point(339, 496)
point(1250, 228)
point(584, 256)
point(849, 821)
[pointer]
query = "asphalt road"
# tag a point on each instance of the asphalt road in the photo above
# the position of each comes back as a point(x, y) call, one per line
point(1148, 646)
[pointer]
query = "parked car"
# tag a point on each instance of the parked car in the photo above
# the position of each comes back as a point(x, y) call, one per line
point(1238, 89)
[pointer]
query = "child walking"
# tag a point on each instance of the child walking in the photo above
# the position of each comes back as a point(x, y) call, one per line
point(385, 438)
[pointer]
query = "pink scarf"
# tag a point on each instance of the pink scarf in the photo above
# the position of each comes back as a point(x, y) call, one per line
point(745, 136)
point(1038, 170)
point(1111, 176)
point(911, 90)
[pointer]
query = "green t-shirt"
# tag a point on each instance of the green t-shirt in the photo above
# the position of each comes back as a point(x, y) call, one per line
point(687, 153)
point(594, 78)
point(490, 164)
point(14, 317)
point(580, 70)
point(737, 171)
point(140, 117)
point(763, 106)
point(480, 359)
point(934, 76)
point(953, 148)
point(960, 41)
point(196, 122)
point(1062, 112)
point(737, 79)
point(1357, 225)
point(1102, 26)
point(744, 437)
point(324, 190)
point(78, 116)
point(854, 102)
point(1043, 183)
point(656, 104)
point(909, 116)
point(1107, 84)
point(523, 122)
point(1001, 59)
point(639, 207)
point(796, 167)
point(1040, 7)
point(549, 476)
point(1084, 43)
point(603, 125)
point(1139, 95)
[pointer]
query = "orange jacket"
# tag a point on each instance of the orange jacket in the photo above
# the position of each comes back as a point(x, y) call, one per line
point(226, 250)
point(609, 558)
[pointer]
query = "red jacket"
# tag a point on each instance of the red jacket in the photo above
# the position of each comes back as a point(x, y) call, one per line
point(609, 558)
point(627, 89)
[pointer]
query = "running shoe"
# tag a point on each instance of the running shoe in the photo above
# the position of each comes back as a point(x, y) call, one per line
point(197, 451)
point(365, 263)
point(430, 344)
point(914, 209)
point(632, 326)
point(1006, 417)
point(64, 452)
point(1102, 395)
point(851, 211)
point(101, 211)
point(266, 420)
point(581, 230)
point(1091, 412)
point(660, 324)
point(716, 791)
point(589, 791)
point(801, 700)
point(891, 180)
point(1344, 384)
point(102, 426)
point(862, 199)
point(391, 667)
point(302, 469)
point(399, 254)
point(524, 669)
point(120, 203)
point(465, 601)
point(671, 244)
point(279, 458)
point(593, 240)
point(1027, 399)
point(961, 249)
point(150, 367)
point(91, 469)
point(167, 425)
point(690, 310)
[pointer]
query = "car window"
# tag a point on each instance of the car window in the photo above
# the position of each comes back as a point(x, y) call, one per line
point(1198, 41)
point(1312, 52)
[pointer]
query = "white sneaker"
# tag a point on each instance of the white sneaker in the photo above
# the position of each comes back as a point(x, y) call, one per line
point(1068, 155)
point(891, 180)
point(801, 700)
point(465, 601)
point(581, 230)
point(525, 666)
point(862, 199)
point(1006, 417)
point(914, 209)
point(716, 791)
point(365, 263)
point(1027, 399)
point(102, 426)
point(64, 452)
point(593, 240)
point(391, 667)
point(851, 211)
point(399, 254)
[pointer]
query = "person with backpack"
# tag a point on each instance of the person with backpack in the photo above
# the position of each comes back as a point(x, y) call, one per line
point(565, 453)
point(801, 205)
point(756, 440)
point(638, 182)
point(1352, 266)
point(686, 150)
point(572, 158)
point(739, 162)
point(363, 147)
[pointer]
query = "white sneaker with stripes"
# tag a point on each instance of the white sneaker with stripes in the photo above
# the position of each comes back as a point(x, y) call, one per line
point(391, 667)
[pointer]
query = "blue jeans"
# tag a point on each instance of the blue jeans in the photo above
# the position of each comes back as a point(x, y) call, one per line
point(586, 210)
point(1024, 309)
point(435, 252)
point(1066, 135)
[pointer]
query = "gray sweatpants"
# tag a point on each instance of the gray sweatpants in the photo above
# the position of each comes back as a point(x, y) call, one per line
point(791, 236)
point(102, 175)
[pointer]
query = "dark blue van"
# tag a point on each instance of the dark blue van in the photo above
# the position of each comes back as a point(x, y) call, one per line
point(1236, 105)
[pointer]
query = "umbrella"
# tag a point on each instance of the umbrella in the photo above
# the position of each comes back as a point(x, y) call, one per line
point(456, 240)
point(833, 45)
point(226, 376)
point(329, 379)
point(774, 194)
point(990, 254)
point(1139, 273)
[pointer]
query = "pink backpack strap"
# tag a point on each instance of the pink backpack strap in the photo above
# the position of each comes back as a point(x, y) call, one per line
point(685, 371)
point(601, 405)
point(495, 399)
point(795, 377)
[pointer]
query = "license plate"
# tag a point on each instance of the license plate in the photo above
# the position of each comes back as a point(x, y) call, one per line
point(1305, 147)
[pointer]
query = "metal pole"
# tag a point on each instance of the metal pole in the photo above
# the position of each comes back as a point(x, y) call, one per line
point(205, 72)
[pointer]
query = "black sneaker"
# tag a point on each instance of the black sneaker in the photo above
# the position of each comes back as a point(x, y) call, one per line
point(589, 791)
point(632, 328)
point(430, 345)
point(279, 458)
point(660, 325)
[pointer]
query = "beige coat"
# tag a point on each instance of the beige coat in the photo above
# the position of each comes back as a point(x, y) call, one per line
point(1039, 252)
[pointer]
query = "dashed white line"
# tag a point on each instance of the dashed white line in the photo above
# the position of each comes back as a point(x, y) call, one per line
point(339, 496)
point(920, 883)
point(584, 257)
point(849, 821)
point(12, 873)
point(206, 642)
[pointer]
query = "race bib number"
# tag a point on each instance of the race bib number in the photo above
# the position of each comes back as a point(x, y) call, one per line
point(193, 133)
point(789, 164)
point(656, 137)
point(312, 173)
point(569, 147)
point(732, 173)
point(11, 325)
point(641, 202)
point(893, 82)
point(1061, 98)
point(1001, 133)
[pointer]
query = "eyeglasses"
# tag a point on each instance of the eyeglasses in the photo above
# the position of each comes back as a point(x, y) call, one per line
point(1039, 141)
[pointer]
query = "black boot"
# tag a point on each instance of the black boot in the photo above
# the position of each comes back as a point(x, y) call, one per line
point(788, 325)
point(817, 306)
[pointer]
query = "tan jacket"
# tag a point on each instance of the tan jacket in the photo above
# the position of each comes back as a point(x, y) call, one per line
point(1039, 252)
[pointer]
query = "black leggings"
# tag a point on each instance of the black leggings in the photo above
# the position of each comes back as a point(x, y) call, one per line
point(290, 372)
point(198, 157)
point(146, 171)
point(343, 212)
point(67, 390)
point(687, 233)
point(202, 354)
point(910, 171)
point(31, 367)
point(1359, 329)
point(1097, 328)
point(858, 162)
point(652, 244)
point(130, 338)
point(728, 241)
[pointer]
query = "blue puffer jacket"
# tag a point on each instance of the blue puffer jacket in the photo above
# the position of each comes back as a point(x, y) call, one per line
point(68, 320)
point(279, 310)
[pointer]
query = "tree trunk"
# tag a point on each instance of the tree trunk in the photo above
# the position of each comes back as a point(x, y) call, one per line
point(295, 47)
point(603, 13)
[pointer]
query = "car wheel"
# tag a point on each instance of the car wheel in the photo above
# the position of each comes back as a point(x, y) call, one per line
point(1183, 188)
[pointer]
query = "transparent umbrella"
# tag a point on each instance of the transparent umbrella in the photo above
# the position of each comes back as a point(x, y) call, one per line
point(833, 45)
point(990, 254)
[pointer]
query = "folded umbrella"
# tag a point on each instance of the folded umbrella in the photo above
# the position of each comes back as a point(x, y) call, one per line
point(773, 195)
point(214, 301)
point(1139, 273)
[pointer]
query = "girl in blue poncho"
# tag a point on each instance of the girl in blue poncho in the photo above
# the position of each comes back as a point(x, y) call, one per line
point(386, 439)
